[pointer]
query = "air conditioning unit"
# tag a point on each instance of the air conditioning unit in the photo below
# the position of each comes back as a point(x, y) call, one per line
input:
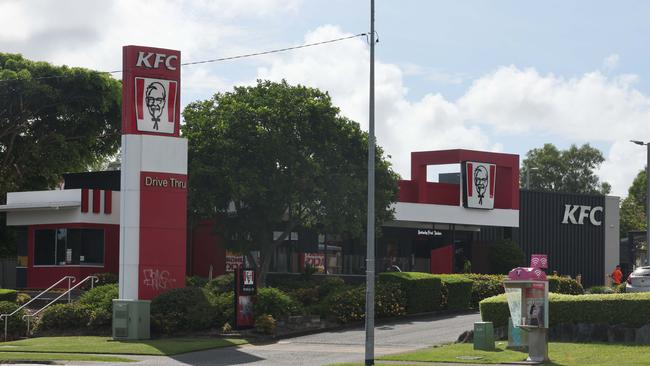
point(131, 319)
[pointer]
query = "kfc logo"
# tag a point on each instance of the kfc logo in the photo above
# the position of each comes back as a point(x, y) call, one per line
point(152, 60)
point(479, 184)
point(155, 102)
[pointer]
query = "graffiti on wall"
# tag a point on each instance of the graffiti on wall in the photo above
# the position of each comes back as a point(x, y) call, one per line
point(157, 279)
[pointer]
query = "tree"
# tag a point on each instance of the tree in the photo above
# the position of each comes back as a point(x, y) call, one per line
point(633, 207)
point(276, 157)
point(53, 120)
point(570, 170)
point(505, 255)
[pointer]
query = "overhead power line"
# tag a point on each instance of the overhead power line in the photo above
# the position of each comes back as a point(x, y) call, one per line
point(225, 58)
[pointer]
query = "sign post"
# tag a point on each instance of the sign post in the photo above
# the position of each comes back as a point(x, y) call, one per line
point(245, 291)
point(153, 214)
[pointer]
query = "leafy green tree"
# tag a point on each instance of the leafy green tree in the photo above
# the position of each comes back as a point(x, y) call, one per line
point(276, 157)
point(505, 255)
point(53, 120)
point(633, 207)
point(570, 170)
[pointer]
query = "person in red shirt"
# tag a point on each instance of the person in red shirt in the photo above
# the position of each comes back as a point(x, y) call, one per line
point(617, 275)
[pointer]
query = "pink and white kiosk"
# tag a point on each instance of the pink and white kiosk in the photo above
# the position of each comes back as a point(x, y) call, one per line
point(527, 293)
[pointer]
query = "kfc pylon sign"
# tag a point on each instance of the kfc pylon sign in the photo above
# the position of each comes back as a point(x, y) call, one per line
point(151, 92)
point(479, 182)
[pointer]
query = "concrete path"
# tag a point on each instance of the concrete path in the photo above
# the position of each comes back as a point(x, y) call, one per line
point(329, 347)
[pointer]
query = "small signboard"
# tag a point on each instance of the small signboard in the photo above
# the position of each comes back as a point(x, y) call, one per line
point(233, 261)
point(315, 260)
point(247, 285)
point(245, 290)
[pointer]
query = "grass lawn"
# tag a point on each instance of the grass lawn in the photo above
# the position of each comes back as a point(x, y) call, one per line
point(156, 347)
point(561, 354)
point(20, 356)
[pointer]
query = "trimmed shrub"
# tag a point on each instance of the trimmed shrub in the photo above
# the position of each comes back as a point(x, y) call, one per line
point(456, 291)
point(275, 302)
point(102, 279)
point(620, 289)
point(599, 290)
point(8, 295)
point(221, 284)
point(22, 298)
point(225, 309)
point(564, 285)
point(65, 317)
point(100, 302)
point(195, 281)
point(350, 305)
point(183, 309)
point(485, 286)
point(16, 326)
point(495, 309)
point(265, 324)
point(422, 290)
point(629, 309)
point(330, 284)
point(505, 255)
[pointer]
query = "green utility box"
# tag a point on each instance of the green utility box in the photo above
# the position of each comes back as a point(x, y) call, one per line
point(131, 319)
point(484, 336)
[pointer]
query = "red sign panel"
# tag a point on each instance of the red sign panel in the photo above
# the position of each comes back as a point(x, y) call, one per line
point(151, 91)
point(314, 260)
point(163, 216)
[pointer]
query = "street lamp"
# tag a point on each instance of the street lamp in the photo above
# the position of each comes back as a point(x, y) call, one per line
point(647, 193)
point(528, 176)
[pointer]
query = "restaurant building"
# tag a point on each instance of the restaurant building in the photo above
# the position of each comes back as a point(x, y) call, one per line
point(440, 225)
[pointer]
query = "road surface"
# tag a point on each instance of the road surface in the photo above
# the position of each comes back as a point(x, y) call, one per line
point(330, 347)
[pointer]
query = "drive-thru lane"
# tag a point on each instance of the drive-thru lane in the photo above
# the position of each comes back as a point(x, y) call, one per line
point(332, 347)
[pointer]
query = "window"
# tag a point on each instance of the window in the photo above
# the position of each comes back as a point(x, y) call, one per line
point(44, 247)
point(69, 247)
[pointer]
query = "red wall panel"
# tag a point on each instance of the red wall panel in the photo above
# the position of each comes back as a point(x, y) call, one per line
point(441, 260)
point(207, 250)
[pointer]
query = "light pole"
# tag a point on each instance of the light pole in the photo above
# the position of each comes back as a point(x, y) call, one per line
point(370, 250)
point(528, 176)
point(647, 193)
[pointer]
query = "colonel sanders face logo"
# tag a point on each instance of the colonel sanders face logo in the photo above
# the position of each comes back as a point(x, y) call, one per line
point(480, 182)
point(156, 105)
point(156, 97)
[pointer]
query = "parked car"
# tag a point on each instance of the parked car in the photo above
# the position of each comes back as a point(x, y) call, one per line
point(639, 280)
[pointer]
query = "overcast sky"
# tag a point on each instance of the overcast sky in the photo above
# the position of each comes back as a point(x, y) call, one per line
point(495, 75)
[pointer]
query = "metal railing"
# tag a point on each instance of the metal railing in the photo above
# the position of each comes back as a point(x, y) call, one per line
point(71, 279)
point(94, 279)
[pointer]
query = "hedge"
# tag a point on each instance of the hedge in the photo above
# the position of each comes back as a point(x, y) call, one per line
point(100, 302)
point(16, 326)
point(183, 309)
point(221, 284)
point(485, 286)
point(275, 302)
point(60, 317)
point(630, 309)
point(350, 305)
point(422, 290)
point(8, 295)
point(564, 285)
point(456, 291)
